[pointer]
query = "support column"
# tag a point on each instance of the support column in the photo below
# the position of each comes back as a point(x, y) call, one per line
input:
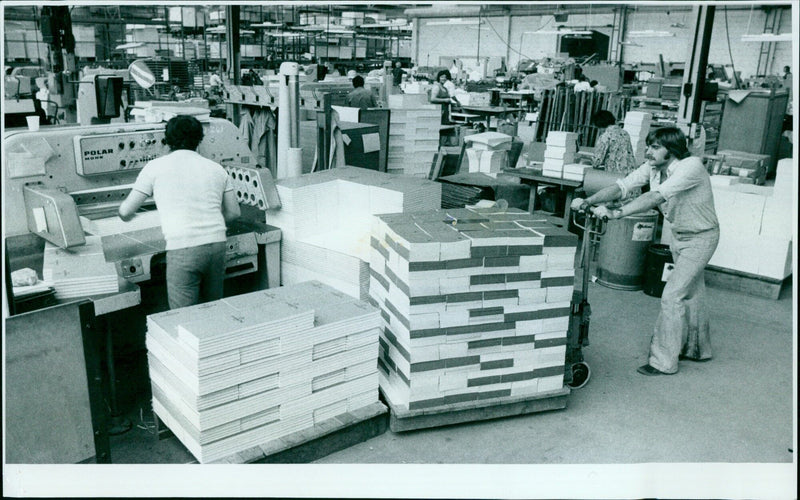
point(694, 73)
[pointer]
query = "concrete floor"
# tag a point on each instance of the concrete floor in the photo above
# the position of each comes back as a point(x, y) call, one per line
point(737, 408)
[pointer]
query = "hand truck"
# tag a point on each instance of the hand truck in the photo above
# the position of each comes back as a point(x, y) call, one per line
point(577, 371)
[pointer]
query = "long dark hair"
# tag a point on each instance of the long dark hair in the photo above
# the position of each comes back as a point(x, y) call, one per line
point(672, 139)
point(445, 73)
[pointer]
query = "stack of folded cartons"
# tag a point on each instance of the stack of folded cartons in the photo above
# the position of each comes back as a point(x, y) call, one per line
point(240, 372)
point(560, 150)
point(575, 171)
point(637, 125)
point(326, 219)
point(79, 271)
point(751, 168)
point(413, 140)
point(756, 225)
point(489, 152)
point(475, 304)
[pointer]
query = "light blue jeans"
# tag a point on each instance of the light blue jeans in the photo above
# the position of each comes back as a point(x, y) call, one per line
point(195, 274)
point(682, 324)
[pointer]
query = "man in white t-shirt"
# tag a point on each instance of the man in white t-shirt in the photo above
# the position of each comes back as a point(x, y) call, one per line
point(195, 199)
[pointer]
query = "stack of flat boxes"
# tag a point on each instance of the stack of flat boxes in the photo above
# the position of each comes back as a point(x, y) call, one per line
point(237, 373)
point(637, 125)
point(326, 219)
point(489, 152)
point(575, 171)
point(560, 150)
point(751, 168)
point(79, 271)
point(476, 310)
point(413, 140)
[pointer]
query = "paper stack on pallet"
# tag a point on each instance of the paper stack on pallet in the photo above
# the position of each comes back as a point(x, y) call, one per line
point(637, 125)
point(475, 304)
point(560, 150)
point(80, 271)
point(575, 171)
point(489, 152)
point(413, 140)
point(326, 220)
point(239, 372)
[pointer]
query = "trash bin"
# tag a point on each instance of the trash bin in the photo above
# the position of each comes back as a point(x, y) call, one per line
point(622, 250)
point(658, 266)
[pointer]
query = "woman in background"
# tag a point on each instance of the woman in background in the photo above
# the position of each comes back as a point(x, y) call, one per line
point(613, 150)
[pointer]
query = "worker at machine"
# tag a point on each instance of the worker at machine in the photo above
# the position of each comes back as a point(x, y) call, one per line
point(360, 97)
point(681, 188)
point(195, 199)
point(440, 95)
point(613, 150)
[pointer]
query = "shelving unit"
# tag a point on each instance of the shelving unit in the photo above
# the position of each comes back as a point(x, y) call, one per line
point(711, 119)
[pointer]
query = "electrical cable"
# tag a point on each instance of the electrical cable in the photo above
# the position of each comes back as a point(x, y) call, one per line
point(730, 53)
point(509, 45)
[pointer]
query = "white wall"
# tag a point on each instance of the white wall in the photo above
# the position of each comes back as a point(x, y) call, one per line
point(537, 45)
point(435, 42)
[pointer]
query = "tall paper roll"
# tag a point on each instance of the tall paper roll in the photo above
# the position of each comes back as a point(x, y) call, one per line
point(294, 162)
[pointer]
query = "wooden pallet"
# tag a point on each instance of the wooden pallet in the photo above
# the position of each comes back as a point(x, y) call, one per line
point(325, 438)
point(746, 283)
point(401, 420)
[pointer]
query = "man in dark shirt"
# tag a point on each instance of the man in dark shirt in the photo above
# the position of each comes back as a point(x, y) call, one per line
point(397, 74)
point(360, 97)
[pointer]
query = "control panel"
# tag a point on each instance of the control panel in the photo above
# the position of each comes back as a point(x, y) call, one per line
point(106, 153)
point(254, 187)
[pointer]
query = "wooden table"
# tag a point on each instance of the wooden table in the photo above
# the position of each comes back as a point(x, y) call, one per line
point(535, 177)
point(489, 111)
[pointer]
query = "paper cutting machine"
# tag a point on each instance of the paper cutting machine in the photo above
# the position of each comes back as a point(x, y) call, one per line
point(63, 181)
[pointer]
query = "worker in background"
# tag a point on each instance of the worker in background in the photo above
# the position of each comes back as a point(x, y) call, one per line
point(787, 77)
point(322, 70)
point(681, 188)
point(613, 150)
point(397, 74)
point(195, 200)
point(360, 97)
point(439, 94)
point(455, 70)
point(583, 84)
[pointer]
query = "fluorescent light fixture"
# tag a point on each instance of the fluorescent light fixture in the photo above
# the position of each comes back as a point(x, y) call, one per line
point(454, 21)
point(630, 44)
point(266, 24)
point(561, 32)
point(285, 35)
point(216, 29)
point(768, 37)
point(129, 45)
point(650, 34)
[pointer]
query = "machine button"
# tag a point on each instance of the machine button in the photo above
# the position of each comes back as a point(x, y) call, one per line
point(122, 163)
point(131, 144)
point(121, 145)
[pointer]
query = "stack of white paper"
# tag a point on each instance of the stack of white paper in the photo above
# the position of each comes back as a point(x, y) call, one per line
point(80, 271)
point(637, 124)
point(240, 372)
point(560, 150)
point(489, 152)
point(326, 219)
